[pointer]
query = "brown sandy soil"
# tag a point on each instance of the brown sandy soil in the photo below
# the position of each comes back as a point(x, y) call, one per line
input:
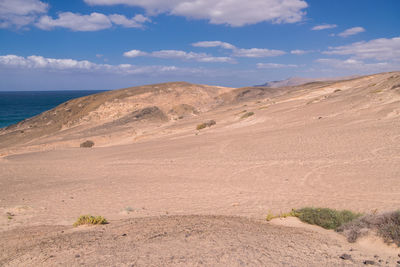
point(180, 241)
point(334, 144)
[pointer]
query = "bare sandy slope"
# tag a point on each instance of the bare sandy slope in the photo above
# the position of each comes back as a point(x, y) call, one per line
point(181, 241)
point(333, 145)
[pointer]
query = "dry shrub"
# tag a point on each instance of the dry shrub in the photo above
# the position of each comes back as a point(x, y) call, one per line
point(87, 144)
point(206, 124)
point(246, 115)
point(386, 225)
point(88, 219)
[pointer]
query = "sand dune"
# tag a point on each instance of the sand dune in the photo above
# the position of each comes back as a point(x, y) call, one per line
point(189, 197)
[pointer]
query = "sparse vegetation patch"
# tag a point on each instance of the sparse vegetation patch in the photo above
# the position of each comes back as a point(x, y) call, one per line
point(325, 217)
point(205, 124)
point(89, 219)
point(395, 86)
point(87, 144)
point(386, 225)
point(247, 114)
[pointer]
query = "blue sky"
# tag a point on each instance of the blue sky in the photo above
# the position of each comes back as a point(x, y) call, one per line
point(110, 44)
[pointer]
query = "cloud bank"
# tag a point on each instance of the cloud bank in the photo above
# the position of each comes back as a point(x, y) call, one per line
point(234, 13)
point(71, 65)
point(93, 22)
point(19, 13)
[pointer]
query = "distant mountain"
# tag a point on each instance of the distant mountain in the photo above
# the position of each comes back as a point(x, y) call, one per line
point(294, 81)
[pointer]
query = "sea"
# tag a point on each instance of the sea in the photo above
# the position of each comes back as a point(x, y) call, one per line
point(16, 106)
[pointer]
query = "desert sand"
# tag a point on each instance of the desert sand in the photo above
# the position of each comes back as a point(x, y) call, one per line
point(175, 195)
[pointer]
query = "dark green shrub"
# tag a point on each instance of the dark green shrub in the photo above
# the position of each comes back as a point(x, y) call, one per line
point(326, 218)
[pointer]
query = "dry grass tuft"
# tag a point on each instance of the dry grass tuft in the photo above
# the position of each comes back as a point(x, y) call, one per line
point(206, 124)
point(247, 114)
point(88, 220)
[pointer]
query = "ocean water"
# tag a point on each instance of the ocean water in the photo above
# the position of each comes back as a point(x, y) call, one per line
point(17, 106)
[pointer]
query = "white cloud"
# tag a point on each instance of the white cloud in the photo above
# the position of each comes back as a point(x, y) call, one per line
point(351, 31)
point(323, 27)
point(275, 66)
point(93, 22)
point(18, 13)
point(208, 44)
point(134, 53)
point(178, 54)
point(378, 49)
point(257, 53)
point(51, 64)
point(135, 22)
point(356, 65)
point(200, 57)
point(231, 12)
point(241, 52)
point(299, 52)
point(76, 22)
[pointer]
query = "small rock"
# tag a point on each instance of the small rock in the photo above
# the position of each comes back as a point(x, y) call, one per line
point(77, 256)
point(123, 234)
point(376, 256)
point(345, 256)
point(398, 262)
point(368, 262)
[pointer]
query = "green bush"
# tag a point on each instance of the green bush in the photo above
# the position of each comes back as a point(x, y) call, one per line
point(326, 218)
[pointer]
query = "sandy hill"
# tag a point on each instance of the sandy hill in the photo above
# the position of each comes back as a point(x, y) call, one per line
point(295, 81)
point(182, 195)
point(128, 114)
point(136, 109)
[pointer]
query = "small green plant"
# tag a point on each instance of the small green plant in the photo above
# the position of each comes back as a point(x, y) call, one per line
point(247, 114)
point(88, 219)
point(271, 216)
point(326, 218)
point(10, 216)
